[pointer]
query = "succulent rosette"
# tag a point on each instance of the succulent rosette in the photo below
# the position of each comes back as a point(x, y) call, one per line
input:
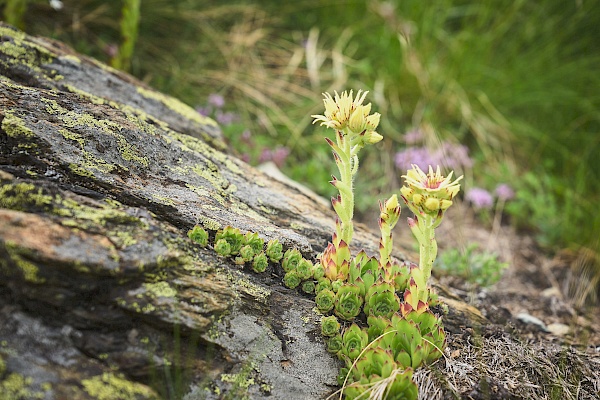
point(233, 236)
point(222, 247)
point(198, 235)
point(335, 344)
point(308, 287)
point(291, 259)
point(318, 271)
point(260, 263)
point(274, 250)
point(246, 253)
point(291, 279)
point(254, 241)
point(355, 340)
point(336, 261)
point(381, 300)
point(348, 302)
point(304, 269)
point(330, 326)
point(376, 371)
point(325, 300)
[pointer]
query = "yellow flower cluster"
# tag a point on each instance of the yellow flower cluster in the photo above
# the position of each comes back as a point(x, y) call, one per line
point(345, 111)
point(431, 192)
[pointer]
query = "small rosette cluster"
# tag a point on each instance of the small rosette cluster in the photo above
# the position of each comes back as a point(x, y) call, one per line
point(299, 272)
point(246, 249)
point(386, 353)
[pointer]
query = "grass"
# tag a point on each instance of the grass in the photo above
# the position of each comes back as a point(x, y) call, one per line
point(514, 81)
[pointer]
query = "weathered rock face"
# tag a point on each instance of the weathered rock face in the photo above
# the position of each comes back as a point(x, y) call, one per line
point(101, 293)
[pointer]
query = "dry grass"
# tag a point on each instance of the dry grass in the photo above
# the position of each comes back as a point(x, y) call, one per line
point(499, 366)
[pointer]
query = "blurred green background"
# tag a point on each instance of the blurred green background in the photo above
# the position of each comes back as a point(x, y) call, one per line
point(506, 92)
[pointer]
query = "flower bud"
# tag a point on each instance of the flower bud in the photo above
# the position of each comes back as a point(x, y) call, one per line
point(432, 204)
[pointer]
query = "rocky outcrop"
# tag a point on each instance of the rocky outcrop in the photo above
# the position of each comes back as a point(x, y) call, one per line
point(102, 295)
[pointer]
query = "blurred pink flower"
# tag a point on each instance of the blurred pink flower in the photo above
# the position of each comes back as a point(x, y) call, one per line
point(480, 198)
point(279, 155)
point(216, 100)
point(225, 118)
point(265, 155)
point(205, 111)
point(413, 137)
point(420, 156)
point(504, 192)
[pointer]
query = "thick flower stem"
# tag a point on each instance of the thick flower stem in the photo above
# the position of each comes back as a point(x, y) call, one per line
point(428, 246)
point(346, 167)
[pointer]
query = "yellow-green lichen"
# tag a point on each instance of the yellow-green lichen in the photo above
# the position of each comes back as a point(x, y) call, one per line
point(23, 52)
point(109, 386)
point(175, 105)
point(296, 226)
point(14, 126)
point(243, 284)
point(71, 58)
point(16, 386)
point(160, 289)
point(209, 223)
point(79, 170)
point(163, 200)
point(28, 269)
point(85, 95)
point(20, 196)
point(239, 380)
point(191, 143)
point(72, 119)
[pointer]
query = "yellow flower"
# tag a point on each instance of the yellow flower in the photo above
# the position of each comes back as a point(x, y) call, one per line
point(429, 192)
point(344, 111)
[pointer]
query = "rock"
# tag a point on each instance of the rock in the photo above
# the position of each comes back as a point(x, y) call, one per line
point(100, 288)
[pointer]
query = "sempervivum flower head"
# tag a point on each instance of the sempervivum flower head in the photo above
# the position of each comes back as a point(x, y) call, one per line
point(429, 193)
point(344, 111)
